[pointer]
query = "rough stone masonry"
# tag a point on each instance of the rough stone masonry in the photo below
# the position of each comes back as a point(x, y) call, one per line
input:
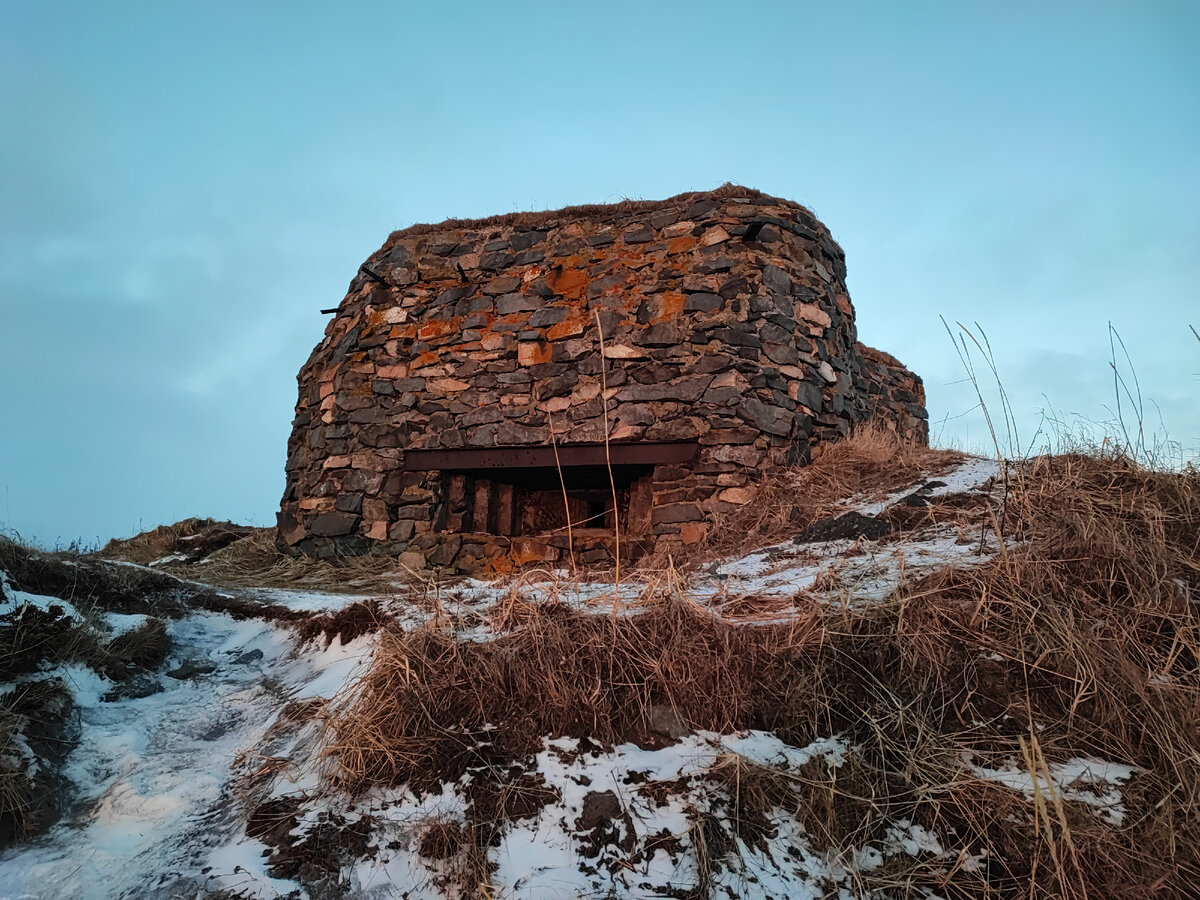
point(537, 386)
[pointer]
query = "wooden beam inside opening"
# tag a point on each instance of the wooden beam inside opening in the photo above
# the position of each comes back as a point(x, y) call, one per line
point(641, 454)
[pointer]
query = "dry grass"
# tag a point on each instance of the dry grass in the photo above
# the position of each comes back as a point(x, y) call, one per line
point(141, 649)
point(1083, 640)
point(158, 542)
point(418, 715)
point(256, 561)
point(230, 556)
point(36, 733)
point(90, 583)
point(873, 460)
point(14, 800)
point(568, 214)
point(345, 625)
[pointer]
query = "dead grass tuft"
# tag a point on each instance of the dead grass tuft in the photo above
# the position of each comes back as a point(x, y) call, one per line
point(443, 840)
point(315, 854)
point(141, 649)
point(345, 625)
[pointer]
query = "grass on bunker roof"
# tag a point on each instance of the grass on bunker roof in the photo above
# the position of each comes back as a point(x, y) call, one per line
point(1080, 639)
point(253, 560)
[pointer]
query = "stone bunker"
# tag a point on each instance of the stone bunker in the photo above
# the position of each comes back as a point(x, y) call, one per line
point(513, 390)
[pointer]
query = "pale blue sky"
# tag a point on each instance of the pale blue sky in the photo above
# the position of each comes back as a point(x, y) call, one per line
point(184, 185)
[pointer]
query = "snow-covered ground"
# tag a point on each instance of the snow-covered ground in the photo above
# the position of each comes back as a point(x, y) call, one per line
point(163, 784)
point(152, 774)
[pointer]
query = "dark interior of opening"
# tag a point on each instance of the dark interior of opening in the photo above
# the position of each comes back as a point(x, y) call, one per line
point(530, 501)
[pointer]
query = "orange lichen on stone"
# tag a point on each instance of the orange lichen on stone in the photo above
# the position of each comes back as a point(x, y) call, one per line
point(681, 244)
point(569, 282)
point(388, 316)
point(569, 327)
point(670, 306)
point(439, 328)
point(403, 332)
point(533, 353)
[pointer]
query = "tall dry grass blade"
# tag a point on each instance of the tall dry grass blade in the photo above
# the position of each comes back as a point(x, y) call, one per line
point(566, 501)
point(608, 464)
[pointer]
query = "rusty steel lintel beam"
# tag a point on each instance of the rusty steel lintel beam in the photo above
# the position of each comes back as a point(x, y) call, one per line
point(542, 457)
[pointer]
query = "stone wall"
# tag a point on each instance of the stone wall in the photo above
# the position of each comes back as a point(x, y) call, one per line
point(719, 320)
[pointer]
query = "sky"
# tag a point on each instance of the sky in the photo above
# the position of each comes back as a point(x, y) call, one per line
point(183, 186)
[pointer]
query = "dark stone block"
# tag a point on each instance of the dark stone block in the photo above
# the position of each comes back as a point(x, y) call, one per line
point(708, 265)
point(556, 387)
point(687, 390)
point(332, 524)
point(673, 513)
point(514, 303)
point(703, 303)
point(472, 306)
point(653, 373)
point(776, 279)
point(722, 396)
point(738, 336)
point(549, 315)
point(505, 284)
point(773, 334)
point(396, 256)
point(598, 286)
point(781, 354)
point(764, 417)
point(493, 262)
point(528, 257)
point(454, 294)
point(664, 334)
point(808, 394)
point(525, 239)
point(733, 287)
point(710, 364)
point(444, 552)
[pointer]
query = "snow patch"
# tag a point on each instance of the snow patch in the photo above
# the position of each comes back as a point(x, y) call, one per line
point(1092, 782)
